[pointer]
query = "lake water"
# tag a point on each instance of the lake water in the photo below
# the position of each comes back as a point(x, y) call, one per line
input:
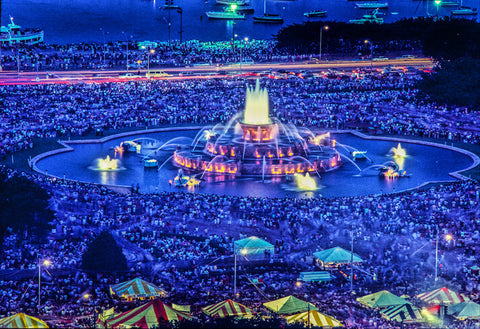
point(423, 164)
point(74, 21)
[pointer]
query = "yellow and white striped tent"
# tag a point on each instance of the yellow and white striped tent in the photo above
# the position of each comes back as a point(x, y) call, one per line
point(137, 289)
point(22, 320)
point(227, 308)
point(314, 318)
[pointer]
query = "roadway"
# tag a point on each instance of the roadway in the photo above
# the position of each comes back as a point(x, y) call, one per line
point(204, 71)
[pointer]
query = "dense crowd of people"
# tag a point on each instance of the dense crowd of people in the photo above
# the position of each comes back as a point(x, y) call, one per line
point(183, 242)
point(387, 104)
point(49, 57)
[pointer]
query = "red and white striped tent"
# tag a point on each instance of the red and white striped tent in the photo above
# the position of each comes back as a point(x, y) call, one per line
point(137, 289)
point(227, 308)
point(146, 316)
point(22, 320)
point(442, 296)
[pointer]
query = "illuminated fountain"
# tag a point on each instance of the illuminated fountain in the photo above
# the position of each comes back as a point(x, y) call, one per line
point(254, 144)
point(398, 152)
point(107, 164)
point(305, 183)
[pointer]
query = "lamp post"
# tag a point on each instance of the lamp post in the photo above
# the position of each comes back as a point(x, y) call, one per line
point(46, 262)
point(128, 44)
point(448, 237)
point(371, 53)
point(233, 8)
point(151, 52)
point(104, 41)
point(88, 297)
point(351, 265)
point(325, 27)
point(243, 252)
point(437, 3)
point(241, 52)
point(180, 11)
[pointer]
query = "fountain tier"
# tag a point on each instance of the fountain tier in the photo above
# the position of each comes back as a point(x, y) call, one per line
point(258, 145)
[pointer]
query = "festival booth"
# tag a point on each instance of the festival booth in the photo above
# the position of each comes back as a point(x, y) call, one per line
point(335, 257)
point(465, 311)
point(146, 316)
point(381, 299)
point(254, 248)
point(227, 308)
point(314, 318)
point(289, 305)
point(136, 289)
point(22, 320)
point(402, 313)
point(441, 296)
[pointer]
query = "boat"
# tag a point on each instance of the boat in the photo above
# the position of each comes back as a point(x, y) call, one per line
point(150, 163)
point(368, 18)
point(372, 5)
point(245, 10)
point(13, 33)
point(227, 14)
point(232, 2)
point(359, 155)
point(267, 18)
point(450, 4)
point(316, 13)
point(464, 11)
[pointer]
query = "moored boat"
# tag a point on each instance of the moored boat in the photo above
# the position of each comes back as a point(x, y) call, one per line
point(268, 18)
point(232, 2)
point(464, 11)
point(13, 33)
point(316, 13)
point(368, 18)
point(372, 5)
point(227, 14)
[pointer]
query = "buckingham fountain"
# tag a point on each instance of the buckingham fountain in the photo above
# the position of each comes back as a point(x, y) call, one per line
point(255, 144)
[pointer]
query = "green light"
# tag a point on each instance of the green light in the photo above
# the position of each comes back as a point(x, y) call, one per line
point(437, 2)
point(234, 7)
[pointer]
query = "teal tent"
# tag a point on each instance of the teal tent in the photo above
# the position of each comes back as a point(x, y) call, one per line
point(465, 310)
point(381, 299)
point(336, 256)
point(253, 247)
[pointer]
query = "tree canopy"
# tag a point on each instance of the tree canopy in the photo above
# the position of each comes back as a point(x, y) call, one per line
point(24, 206)
point(104, 255)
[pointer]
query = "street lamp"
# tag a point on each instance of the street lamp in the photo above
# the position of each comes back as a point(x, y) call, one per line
point(241, 51)
point(325, 27)
point(233, 8)
point(128, 44)
point(244, 253)
point(180, 11)
point(437, 3)
point(45, 263)
point(447, 237)
point(371, 53)
point(151, 52)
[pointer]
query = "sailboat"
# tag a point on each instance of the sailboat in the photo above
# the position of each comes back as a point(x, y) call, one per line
point(464, 11)
point(268, 18)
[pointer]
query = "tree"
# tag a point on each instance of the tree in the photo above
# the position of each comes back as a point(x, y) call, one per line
point(24, 206)
point(104, 255)
point(455, 82)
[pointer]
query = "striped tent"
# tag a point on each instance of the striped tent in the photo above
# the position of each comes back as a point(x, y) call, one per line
point(136, 288)
point(381, 299)
point(465, 310)
point(441, 296)
point(227, 308)
point(315, 319)
point(146, 316)
point(402, 313)
point(289, 305)
point(22, 320)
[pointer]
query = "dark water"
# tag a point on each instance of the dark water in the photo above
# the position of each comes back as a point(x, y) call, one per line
point(423, 163)
point(73, 21)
